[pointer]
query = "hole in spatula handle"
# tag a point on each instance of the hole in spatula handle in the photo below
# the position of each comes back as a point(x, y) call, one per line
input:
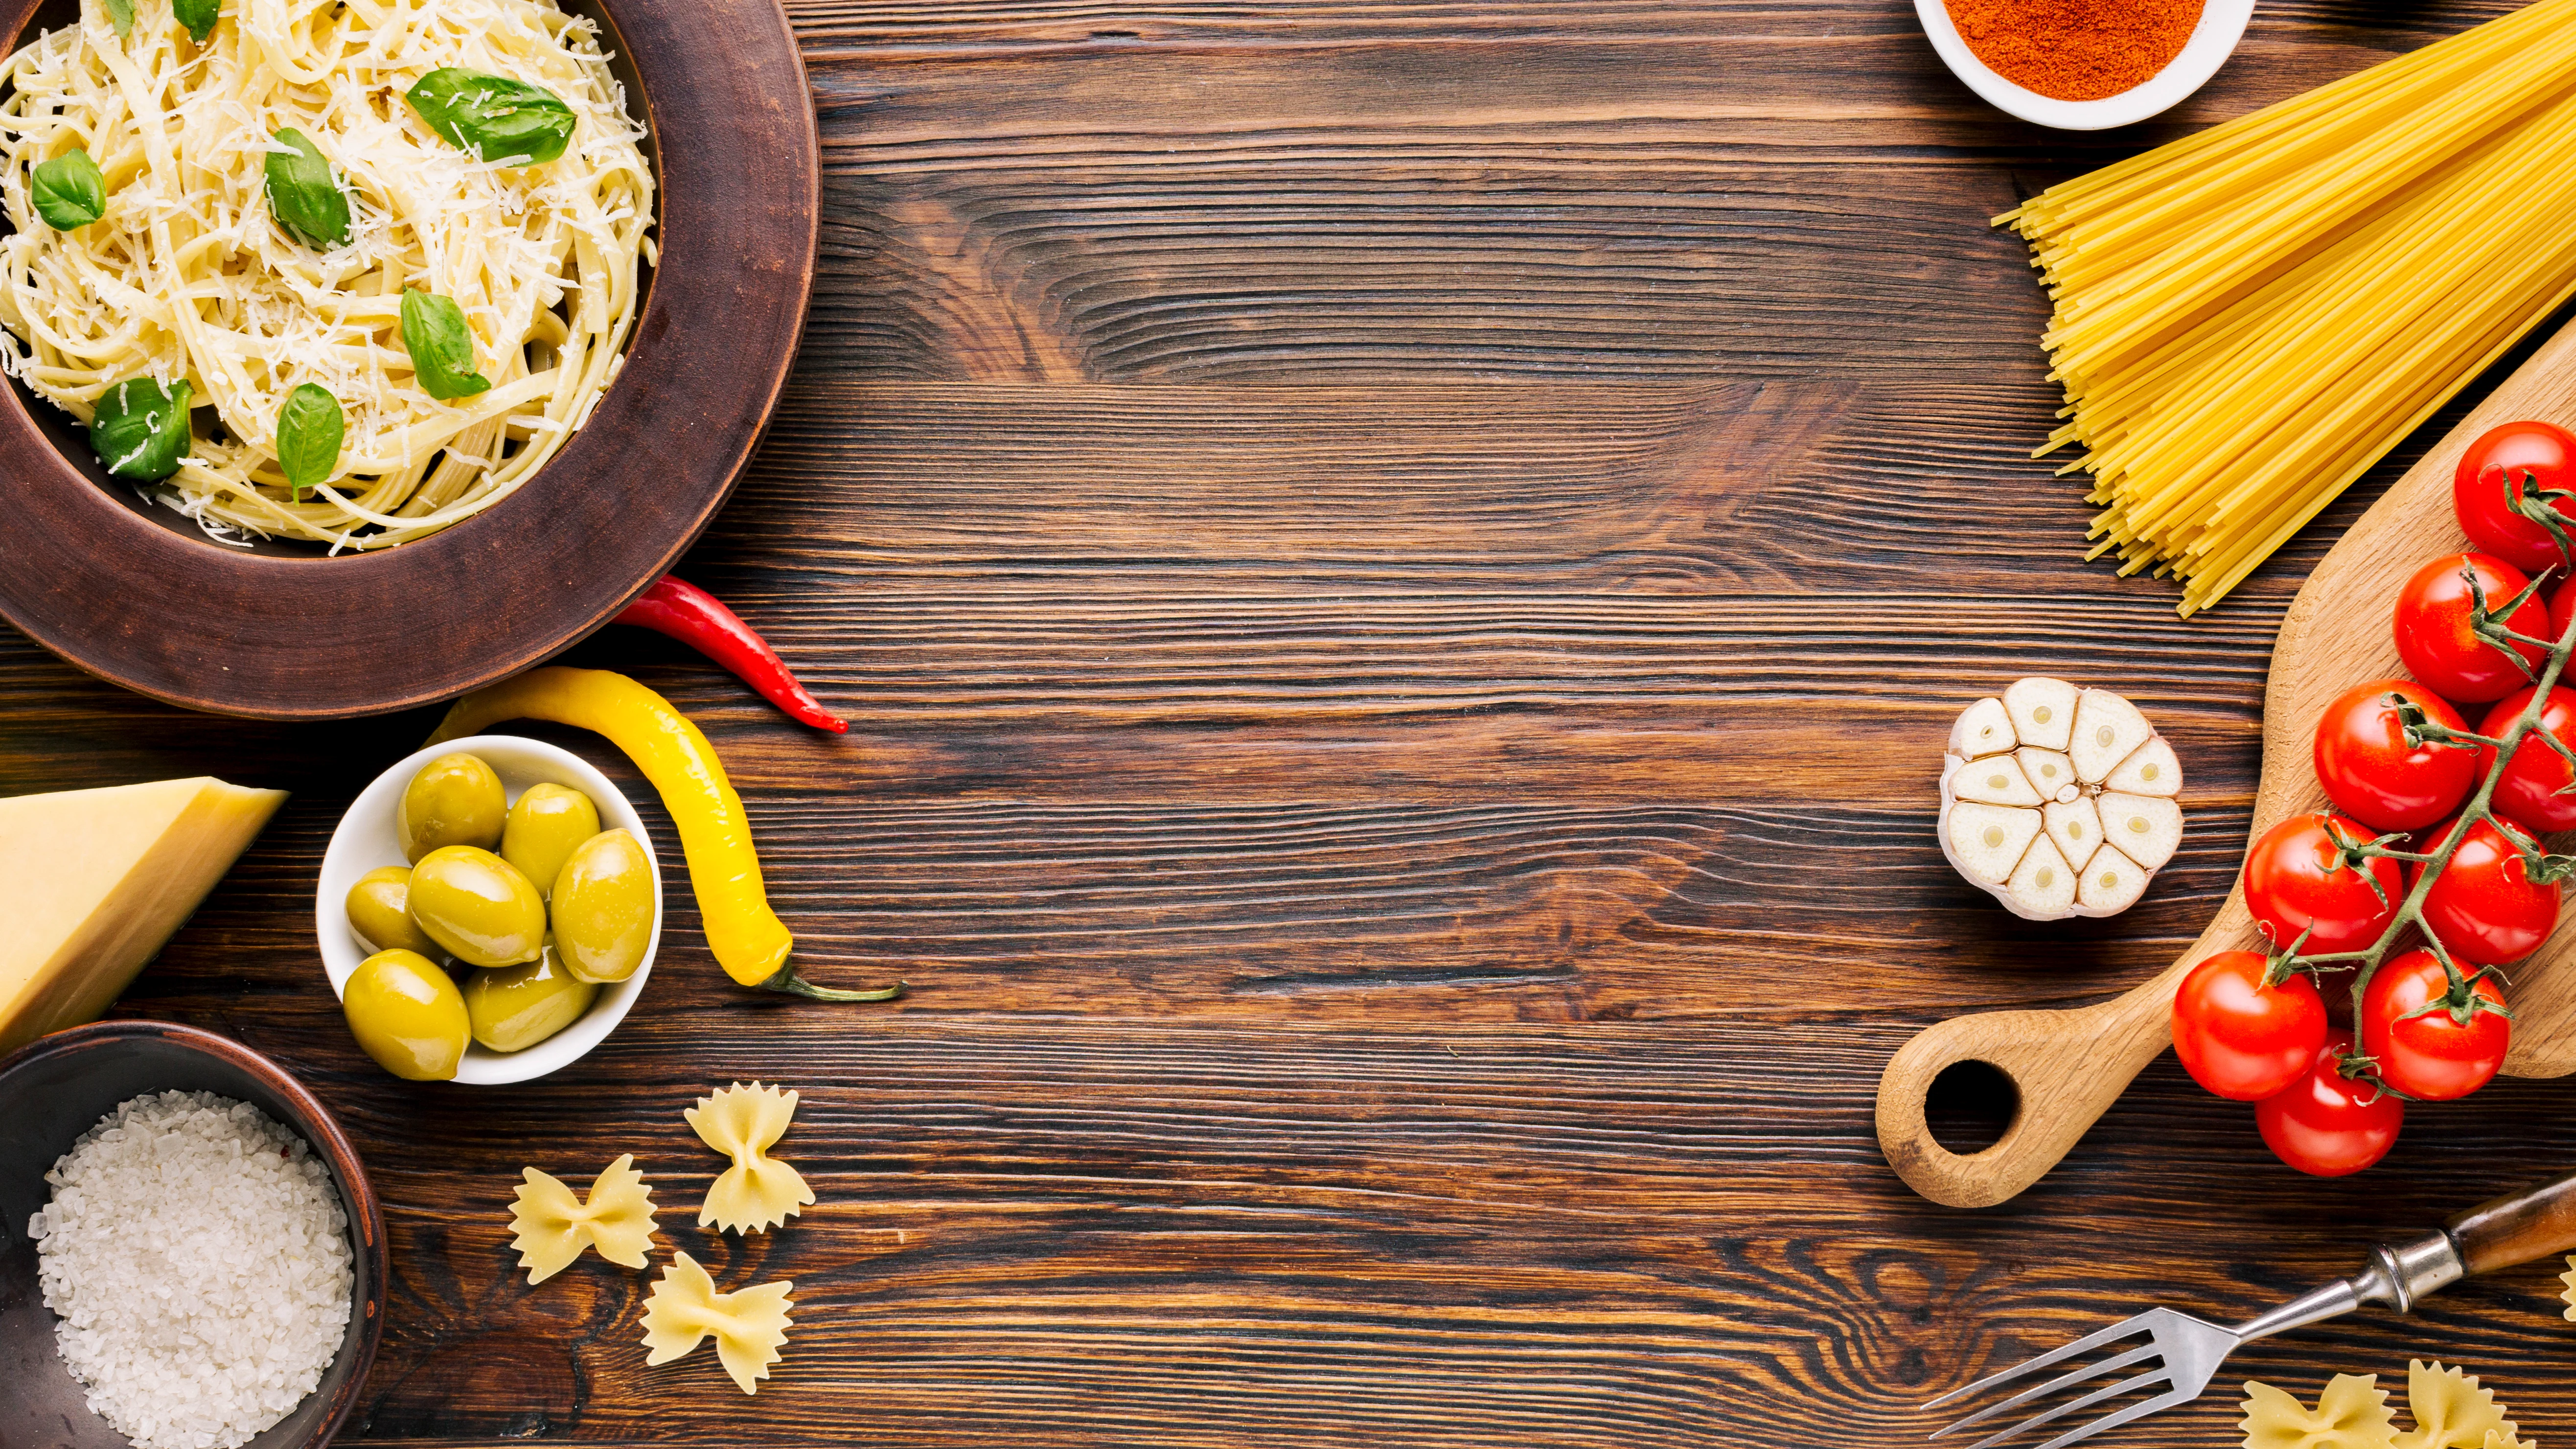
point(2061, 1069)
point(1971, 1106)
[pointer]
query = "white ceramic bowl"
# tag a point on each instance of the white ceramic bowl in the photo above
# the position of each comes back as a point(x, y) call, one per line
point(367, 840)
point(2222, 24)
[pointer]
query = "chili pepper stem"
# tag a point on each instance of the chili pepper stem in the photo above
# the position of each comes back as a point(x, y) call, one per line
point(786, 982)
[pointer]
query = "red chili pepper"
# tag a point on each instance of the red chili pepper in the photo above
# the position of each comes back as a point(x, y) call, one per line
point(700, 620)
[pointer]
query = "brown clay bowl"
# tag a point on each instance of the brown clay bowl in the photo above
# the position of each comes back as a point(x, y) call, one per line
point(56, 1088)
point(135, 594)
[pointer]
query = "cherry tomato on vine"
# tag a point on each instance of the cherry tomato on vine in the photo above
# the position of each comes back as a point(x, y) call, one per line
point(2373, 775)
point(2434, 1056)
point(2297, 878)
point(2327, 1124)
point(2528, 793)
point(2495, 472)
point(2434, 637)
point(2240, 1038)
point(2562, 610)
point(2483, 906)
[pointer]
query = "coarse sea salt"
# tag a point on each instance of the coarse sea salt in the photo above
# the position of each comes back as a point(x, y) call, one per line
point(196, 1258)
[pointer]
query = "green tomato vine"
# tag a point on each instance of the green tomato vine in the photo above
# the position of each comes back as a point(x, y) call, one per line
point(2461, 999)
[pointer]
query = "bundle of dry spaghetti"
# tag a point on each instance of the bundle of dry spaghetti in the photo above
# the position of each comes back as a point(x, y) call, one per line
point(2247, 319)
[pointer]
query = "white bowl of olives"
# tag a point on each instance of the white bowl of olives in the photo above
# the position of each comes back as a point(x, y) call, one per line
point(452, 958)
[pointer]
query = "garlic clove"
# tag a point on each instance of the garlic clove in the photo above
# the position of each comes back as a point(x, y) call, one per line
point(2075, 827)
point(2109, 884)
point(1995, 780)
point(1982, 729)
point(2043, 711)
point(2153, 770)
point(2144, 828)
point(2042, 887)
point(1987, 841)
point(2050, 773)
point(2108, 729)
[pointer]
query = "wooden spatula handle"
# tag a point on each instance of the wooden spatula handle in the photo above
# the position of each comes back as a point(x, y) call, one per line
point(2537, 1222)
point(2066, 1067)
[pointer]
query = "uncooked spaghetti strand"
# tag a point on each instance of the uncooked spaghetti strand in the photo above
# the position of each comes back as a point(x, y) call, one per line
point(2246, 321)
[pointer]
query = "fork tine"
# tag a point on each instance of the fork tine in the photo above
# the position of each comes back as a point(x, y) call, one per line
point(2121, 1416)
point(2071, 1405)
point(2072, 1376)
point(2095, 1339)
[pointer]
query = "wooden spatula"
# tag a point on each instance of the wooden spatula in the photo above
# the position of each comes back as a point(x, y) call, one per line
point(2069, 1066)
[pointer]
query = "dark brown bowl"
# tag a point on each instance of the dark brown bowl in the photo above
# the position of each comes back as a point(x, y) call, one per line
point(57, 1087)
point(135, 595)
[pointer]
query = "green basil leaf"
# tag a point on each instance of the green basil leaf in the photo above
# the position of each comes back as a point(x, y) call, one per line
point(309, 429)
point(492, 117)
point(69, 191)
point(121, 14)
point(198, 16)
point(303, 196)
point(140, 428)
point(441, 346)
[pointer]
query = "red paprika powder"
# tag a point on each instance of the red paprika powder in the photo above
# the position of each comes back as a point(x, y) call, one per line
point(2075, 50)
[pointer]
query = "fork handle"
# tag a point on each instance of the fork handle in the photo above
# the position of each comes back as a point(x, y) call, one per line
point(2513, 1229)
point(2518, 1227)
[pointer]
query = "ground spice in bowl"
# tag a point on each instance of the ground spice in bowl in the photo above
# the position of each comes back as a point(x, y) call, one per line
point(2075, 50)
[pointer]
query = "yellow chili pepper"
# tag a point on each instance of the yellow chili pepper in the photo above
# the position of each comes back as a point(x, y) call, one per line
point(748, 939)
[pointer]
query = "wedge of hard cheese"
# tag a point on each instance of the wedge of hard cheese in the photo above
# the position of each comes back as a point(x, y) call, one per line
point(93, 881)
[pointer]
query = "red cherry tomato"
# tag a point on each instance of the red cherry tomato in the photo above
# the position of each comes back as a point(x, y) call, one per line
point(2562, 610)
point(2327, 1124)
point(2495, 471)
point(2297, 879)
point(2374, 776)
point(2433, 1056)
point(2483, 907)
point(2240, 1038)
point(2528, 791)
point(2434, 635)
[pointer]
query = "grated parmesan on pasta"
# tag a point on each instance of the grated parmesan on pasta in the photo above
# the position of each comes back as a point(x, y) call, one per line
point(187, 275)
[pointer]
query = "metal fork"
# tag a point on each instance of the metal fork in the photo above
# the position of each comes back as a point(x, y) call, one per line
point(2180, 1354)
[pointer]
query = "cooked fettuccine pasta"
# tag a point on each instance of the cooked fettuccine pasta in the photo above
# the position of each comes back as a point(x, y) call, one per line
point(195, 270)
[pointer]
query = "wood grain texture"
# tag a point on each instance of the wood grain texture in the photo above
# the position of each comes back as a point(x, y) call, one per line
point(2066, 1067)
point(1400, 569)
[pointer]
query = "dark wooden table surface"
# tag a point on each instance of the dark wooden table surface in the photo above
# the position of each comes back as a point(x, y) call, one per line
point(1401, 569)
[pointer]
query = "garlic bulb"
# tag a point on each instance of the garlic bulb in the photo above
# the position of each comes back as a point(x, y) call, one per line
point(2059, 800)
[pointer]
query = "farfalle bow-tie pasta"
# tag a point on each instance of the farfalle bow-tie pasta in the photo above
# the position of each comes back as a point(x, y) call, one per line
point(2450, 1411)
point(552, 1228)
point(758, 1191)
point(748, 1325)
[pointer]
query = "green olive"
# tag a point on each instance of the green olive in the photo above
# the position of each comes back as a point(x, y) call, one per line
point(546, 824)
point(380, 912)
point(454, 800)
point(603, 910)
point(477, 905)
point(515, 1007)
point(407, 1015)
